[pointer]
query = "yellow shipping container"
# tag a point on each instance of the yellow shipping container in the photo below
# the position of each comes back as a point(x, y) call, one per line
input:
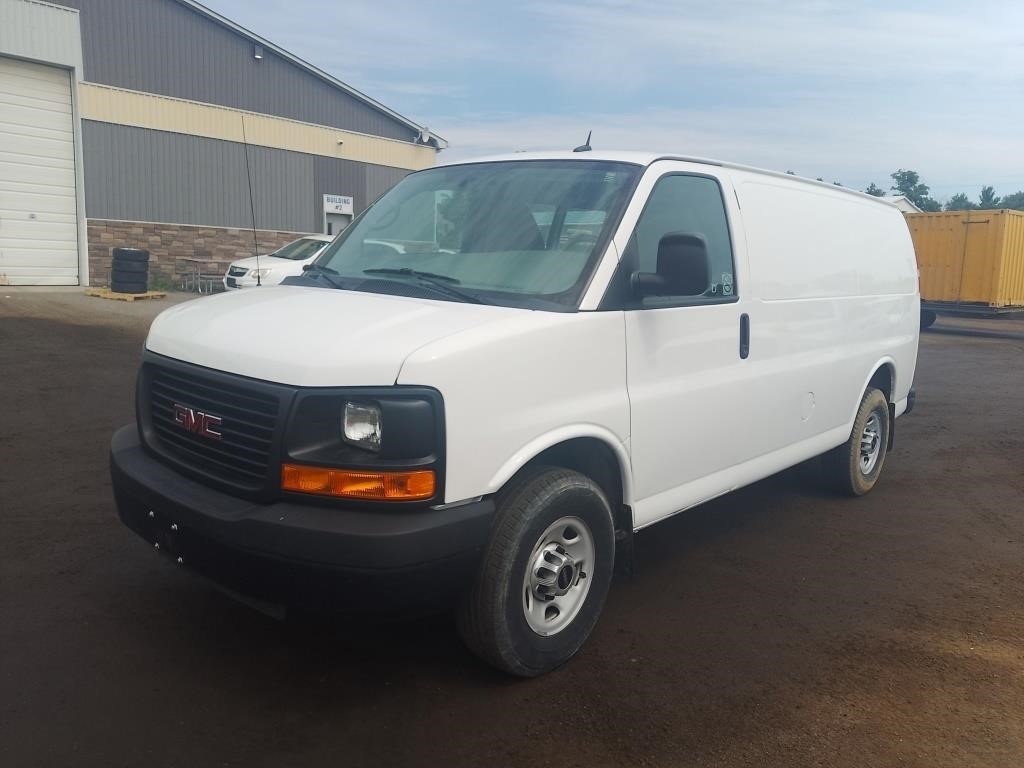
point(970, 261)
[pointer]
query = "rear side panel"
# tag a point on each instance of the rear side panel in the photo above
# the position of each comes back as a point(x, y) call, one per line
point(835, 296)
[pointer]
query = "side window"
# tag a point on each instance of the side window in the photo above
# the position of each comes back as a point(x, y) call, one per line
point(693, 205)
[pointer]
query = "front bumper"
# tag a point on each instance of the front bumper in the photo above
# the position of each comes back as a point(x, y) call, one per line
point(315, 556)
point(234, 283)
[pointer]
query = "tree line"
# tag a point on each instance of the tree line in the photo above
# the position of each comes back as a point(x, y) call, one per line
point(908, 184)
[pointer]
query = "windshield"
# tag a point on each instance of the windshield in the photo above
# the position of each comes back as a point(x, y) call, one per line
point(521, 232)
point(298, 250)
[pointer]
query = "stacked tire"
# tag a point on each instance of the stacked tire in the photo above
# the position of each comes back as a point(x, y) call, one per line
point(130, 270)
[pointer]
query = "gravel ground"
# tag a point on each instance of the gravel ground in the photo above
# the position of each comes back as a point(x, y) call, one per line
point(777, 626)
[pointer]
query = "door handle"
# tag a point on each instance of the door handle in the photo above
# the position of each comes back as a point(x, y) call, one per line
point(744, 336)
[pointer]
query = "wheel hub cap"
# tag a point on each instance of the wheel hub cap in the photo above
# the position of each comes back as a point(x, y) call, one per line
point(556, 581)
point(553, 573)
point(870, 444)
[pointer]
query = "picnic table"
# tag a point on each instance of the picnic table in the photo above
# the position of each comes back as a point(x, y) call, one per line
point(190, 274)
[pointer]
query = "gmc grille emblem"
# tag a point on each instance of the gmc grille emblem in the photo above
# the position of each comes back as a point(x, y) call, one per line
point(197, 422)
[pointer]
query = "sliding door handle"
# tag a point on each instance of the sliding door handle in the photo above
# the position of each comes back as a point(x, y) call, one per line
point(744, 336)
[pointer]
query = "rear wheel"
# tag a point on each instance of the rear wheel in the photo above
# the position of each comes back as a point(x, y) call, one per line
point(855, 466)
point(544, 575)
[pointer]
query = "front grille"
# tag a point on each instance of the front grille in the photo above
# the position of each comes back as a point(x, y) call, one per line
point(248, 417)
point(237, 271)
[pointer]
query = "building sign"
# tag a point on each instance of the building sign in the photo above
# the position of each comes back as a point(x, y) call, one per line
point(338, 204)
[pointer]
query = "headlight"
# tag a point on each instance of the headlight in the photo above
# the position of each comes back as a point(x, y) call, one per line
point(260, 273)
point(361, 425)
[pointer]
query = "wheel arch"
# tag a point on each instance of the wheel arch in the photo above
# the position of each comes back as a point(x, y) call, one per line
point(591, 450)
point(883, 376)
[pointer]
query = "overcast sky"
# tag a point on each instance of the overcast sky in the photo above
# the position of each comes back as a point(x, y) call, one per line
point(849, 91)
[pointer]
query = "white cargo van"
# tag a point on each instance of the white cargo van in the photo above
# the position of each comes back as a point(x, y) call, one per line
point(504, 369)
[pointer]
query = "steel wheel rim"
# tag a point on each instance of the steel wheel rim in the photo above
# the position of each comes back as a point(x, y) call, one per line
point(558, 575)
point(870, 444)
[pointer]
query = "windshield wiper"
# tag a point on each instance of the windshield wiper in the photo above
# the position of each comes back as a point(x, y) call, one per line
point(441, 283)
point(325, 273)
point(413, 272)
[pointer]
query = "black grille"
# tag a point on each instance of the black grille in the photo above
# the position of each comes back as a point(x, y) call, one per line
point(242, 456)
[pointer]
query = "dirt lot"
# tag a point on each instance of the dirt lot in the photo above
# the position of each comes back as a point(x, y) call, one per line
point(777, 626)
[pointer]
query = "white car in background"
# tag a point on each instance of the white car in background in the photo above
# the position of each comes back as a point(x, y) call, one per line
point(275, 267)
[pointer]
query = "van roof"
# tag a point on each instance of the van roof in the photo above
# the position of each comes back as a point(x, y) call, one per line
point(646, 158)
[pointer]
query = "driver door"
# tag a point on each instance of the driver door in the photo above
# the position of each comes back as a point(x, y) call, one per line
point(691, 404)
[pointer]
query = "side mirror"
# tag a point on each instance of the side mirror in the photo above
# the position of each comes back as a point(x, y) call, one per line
point(683, 268)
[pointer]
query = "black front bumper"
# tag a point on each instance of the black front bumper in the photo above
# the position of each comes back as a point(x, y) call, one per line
point(309, 555)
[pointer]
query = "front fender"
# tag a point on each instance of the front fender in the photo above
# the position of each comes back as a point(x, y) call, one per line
point(525, 454)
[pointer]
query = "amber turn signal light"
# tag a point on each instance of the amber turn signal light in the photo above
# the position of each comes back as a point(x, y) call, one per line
point(350, 484)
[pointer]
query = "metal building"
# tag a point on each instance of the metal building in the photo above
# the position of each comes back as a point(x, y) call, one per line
point(133, 122)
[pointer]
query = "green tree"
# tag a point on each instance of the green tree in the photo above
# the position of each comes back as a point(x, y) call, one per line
point(960, 202)
point(988, 199)
point(908, 184)
point(874, 190)
point(1016, 201)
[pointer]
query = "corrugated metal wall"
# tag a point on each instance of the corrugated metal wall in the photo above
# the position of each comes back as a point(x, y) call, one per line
point(343, 177)
point(40, 33)
point(334, 177)
point(161, 46)
point(379, 179)
point(107, 104)
point(136, 174)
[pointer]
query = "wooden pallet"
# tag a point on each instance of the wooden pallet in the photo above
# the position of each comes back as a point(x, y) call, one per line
point(106, 293)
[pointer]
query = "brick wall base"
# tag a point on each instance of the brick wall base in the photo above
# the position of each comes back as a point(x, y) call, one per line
point(168, 243)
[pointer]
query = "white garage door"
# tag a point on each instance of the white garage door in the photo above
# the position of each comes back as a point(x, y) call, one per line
point(38, 212)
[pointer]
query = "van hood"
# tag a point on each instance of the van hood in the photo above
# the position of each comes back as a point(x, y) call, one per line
point(311, 337)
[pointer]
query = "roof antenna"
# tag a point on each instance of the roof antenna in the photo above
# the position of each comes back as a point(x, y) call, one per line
point(252, 205)
point(584, 147)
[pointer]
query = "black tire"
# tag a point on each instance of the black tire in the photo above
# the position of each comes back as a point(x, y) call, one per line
point(493, 620)
point(131, 267)
point(843, 466)
point(122, 287)
point(928, 318)
point(130, 254)
point(117, 276)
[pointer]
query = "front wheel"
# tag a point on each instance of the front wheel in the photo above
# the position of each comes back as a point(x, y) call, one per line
point(545, 574)
point(854, 467)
